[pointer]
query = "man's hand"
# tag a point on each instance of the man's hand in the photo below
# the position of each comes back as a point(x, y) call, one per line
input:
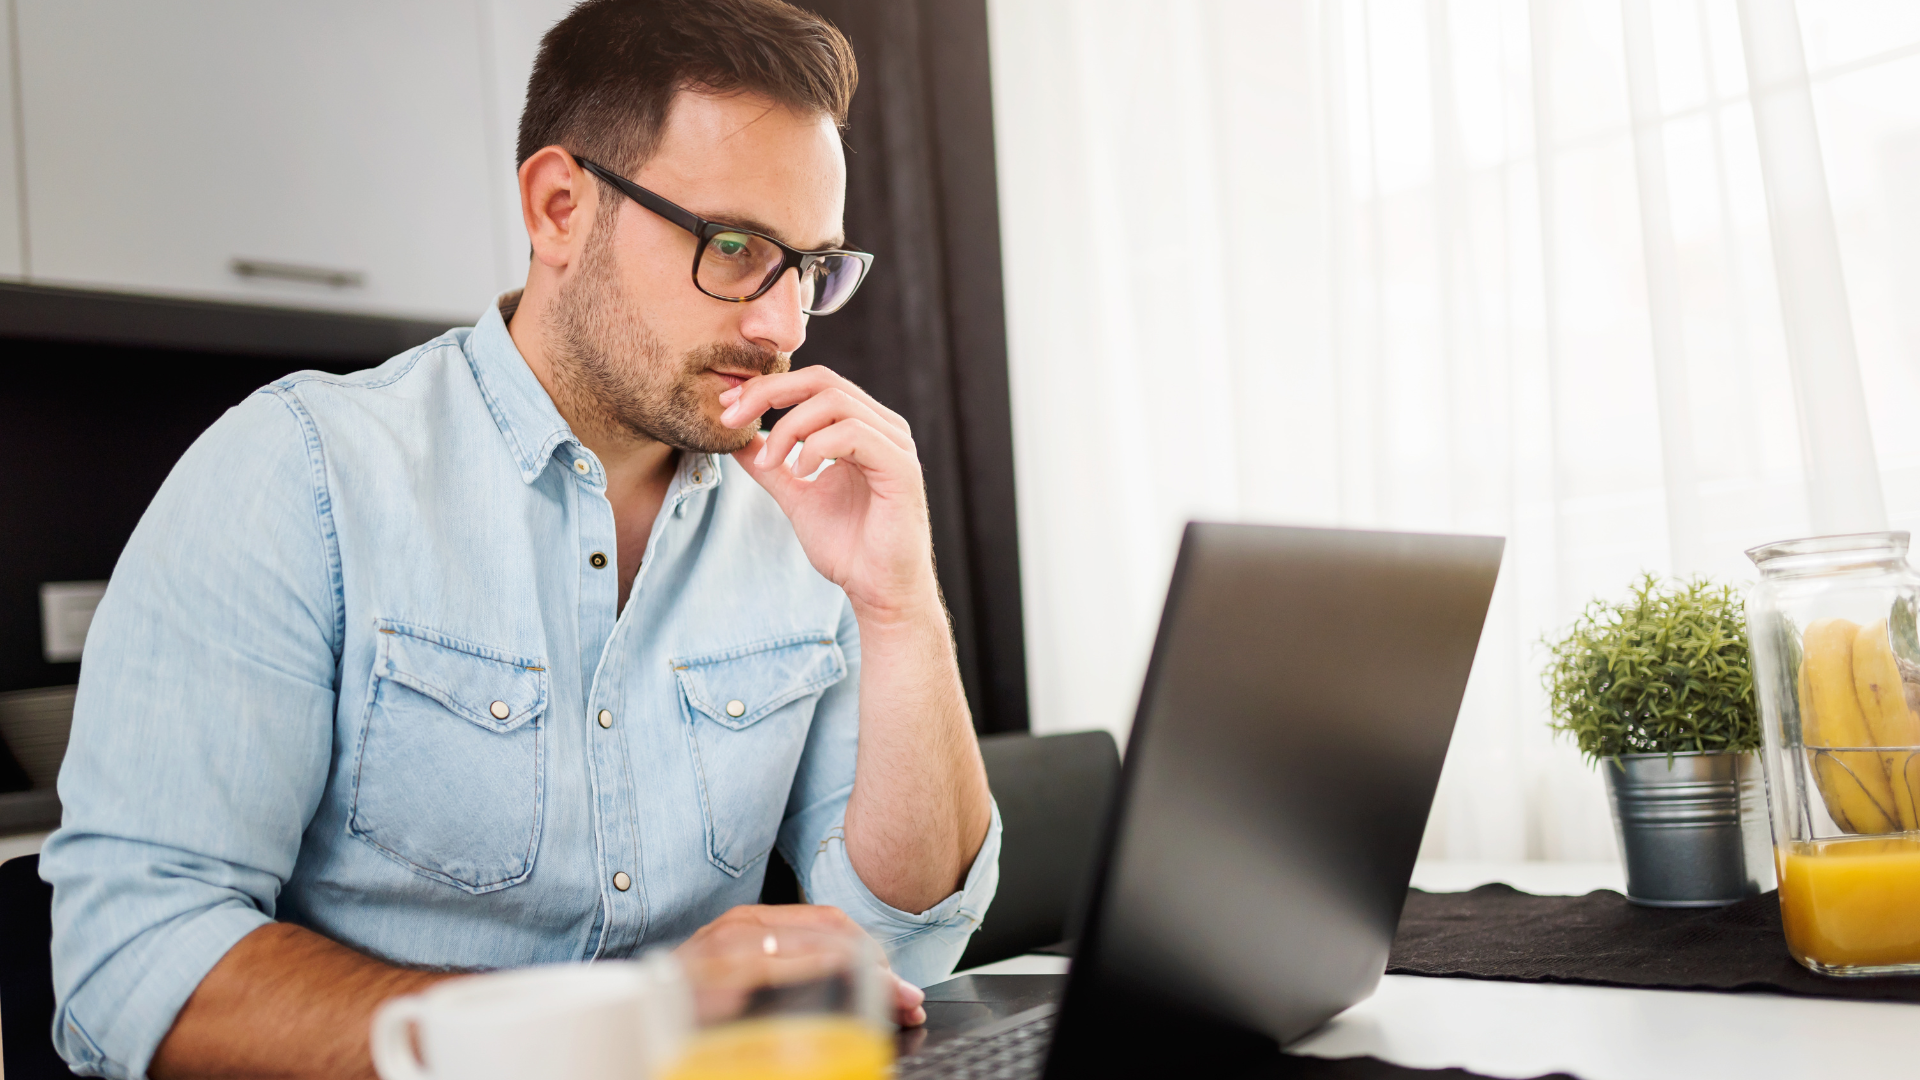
point(919, 809)
point(906, 996)
point(862, 523)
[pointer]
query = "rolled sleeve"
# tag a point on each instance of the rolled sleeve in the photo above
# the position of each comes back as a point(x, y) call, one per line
point(112, 1023)
point(923, 948)
point(202, 736)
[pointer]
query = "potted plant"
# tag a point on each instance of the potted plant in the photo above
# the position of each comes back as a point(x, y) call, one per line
point(1658, 690)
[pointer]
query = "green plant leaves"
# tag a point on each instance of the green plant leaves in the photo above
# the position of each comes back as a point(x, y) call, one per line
point(1664, 671)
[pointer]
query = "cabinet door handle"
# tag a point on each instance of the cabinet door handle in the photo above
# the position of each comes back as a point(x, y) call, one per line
point(314, 275)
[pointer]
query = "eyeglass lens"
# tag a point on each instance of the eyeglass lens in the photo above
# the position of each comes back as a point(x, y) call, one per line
point(735, 265)
point(829, 282)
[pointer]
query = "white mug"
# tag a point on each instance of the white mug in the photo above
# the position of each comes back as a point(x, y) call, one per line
point(612, 1020)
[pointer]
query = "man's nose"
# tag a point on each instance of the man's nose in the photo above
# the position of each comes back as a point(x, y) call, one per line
point(775, 319)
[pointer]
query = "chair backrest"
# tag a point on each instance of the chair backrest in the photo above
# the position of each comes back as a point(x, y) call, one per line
point(781, 886)
point(1053, 792)
point(26, 974)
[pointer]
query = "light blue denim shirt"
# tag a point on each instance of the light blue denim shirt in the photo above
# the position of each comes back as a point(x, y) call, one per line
point(357, 670)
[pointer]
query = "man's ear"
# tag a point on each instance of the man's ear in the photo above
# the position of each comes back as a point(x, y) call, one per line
point(557, 204)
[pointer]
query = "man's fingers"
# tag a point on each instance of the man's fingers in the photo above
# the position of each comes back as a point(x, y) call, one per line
point(757, 395)
point(820, 411)
point(907, 1002)
point(776, 915)
point(785, 388)
point(773, 476)
point(750, 966)
point(853, 441)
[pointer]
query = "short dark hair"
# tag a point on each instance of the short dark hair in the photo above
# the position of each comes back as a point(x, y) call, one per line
point(608, 72)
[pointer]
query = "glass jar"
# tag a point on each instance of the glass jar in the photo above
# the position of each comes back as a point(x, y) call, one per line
point(1836, 665)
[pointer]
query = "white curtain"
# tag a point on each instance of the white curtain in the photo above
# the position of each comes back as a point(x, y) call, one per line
point(1551, 269)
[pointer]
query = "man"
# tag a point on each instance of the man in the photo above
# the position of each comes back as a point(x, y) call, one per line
point(527, 645)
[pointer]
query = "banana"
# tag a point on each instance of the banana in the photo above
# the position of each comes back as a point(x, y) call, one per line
point(1839, 788)
point(1853, 785)
point(1883, 700)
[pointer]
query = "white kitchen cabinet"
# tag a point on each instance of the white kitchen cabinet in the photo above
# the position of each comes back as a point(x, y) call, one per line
point(513, 29)
point(12, 257)
point(330, 155)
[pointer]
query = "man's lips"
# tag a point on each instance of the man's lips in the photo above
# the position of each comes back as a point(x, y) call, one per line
point(730, 378)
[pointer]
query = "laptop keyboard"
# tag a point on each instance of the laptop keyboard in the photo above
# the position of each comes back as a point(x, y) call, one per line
point(1015, 1053)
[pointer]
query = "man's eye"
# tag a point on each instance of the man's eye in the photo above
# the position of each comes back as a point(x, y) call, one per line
point(731, 245)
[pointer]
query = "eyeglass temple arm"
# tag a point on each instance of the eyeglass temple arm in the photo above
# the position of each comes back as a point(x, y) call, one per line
point(686, 219)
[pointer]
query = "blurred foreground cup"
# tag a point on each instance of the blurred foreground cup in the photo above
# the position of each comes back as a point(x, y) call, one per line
point(612, 1020)
point(786, 1003)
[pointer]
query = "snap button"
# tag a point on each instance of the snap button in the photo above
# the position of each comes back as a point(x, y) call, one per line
point(606, 718)
point(736, 708)
point(580, 466)
point(499, 710)
point(598, 560)
point(622, 882)
point(696, 478)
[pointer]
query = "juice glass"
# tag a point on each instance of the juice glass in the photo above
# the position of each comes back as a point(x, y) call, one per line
point(1836, 667)
point(785, 1003)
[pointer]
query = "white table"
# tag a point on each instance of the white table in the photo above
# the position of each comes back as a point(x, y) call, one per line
point(1509, 1029)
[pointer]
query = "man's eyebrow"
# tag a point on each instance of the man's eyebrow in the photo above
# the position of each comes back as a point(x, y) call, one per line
point(744, 221)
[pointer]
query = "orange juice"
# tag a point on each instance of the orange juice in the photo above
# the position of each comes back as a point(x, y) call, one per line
point(1852, 903)
point(787, 1048)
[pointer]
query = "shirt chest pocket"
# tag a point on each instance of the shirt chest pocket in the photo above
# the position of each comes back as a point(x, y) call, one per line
point(747, 713)
point(447, 780)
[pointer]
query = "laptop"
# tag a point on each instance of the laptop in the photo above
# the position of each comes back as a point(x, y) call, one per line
point(1297, 708)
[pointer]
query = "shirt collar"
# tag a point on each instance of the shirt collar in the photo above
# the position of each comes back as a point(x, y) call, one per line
point(531, 425)
point(697, 472)
point(525, 413)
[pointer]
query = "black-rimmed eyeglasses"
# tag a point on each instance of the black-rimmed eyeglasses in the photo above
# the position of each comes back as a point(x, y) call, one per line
point(736, 264)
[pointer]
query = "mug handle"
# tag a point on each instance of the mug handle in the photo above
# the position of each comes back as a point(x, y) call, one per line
point(392, 1042)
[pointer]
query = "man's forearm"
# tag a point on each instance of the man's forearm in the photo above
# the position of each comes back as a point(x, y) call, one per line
point(284, 1002)
point(920, 808)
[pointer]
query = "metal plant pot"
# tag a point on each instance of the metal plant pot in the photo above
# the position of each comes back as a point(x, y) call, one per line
point(1693, 827)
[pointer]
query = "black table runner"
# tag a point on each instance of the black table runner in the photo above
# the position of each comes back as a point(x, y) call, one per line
point(1498, 932)
point(1301, 1067)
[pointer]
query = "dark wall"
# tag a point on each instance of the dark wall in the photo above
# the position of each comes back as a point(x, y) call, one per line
point(927, 332)
point(101, 395)
point(94, 430)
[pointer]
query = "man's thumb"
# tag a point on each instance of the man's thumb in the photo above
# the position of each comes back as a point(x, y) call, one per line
point(774, 476)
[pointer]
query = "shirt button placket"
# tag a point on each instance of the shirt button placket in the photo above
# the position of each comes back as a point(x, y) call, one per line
point(626, 909)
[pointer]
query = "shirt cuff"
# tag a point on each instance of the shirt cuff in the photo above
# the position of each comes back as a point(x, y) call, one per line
point(922, 948)
point(115, 1021)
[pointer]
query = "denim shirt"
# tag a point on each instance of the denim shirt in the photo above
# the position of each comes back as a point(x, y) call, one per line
point(362, 668)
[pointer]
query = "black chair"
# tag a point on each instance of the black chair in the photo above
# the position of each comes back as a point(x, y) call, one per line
point(782, 886)
point(1053, 792)
point(26, 973)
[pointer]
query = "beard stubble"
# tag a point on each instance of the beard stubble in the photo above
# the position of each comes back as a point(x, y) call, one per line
point(612, 372)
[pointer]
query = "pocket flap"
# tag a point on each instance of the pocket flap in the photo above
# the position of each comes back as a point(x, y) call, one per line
point(494, 689)
point(757, 679)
